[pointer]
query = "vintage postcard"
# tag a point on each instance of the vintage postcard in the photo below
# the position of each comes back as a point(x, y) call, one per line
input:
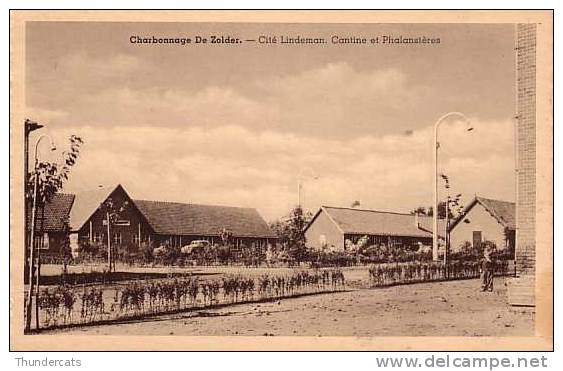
point(281, 180)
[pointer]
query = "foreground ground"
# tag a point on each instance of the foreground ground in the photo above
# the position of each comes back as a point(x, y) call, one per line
point(455, 308)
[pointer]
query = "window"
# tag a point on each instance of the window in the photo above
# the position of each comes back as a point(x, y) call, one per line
point(122, 223)
point(135, 239)
point(117, 238)
point(43, 242)
point(98, 237)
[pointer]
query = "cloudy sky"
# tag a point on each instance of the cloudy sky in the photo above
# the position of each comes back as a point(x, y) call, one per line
point(236, 125)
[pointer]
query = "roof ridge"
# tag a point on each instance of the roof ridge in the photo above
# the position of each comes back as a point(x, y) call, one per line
point(489, 205)
point(194, 204)
point(494, 199)
point(368, 210)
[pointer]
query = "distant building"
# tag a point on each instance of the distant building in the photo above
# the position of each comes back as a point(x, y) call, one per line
point(485, 219)
point(52, 223)
point(157, 222)
point(332, 226)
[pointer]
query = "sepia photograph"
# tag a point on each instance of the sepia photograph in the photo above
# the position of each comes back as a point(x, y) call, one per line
point(294, 179)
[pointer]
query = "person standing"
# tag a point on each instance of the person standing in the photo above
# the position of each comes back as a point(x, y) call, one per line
point(487, 270)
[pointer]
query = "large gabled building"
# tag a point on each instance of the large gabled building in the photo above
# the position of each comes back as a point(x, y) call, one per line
point(180, 223)
point(331, 227)
point(88, 220)
point(142, 221)
point(485, 219)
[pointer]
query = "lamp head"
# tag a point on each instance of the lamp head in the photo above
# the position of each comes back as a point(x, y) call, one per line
point(31, 126)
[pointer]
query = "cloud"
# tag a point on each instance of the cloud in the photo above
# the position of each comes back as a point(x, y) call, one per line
point(332, 100)
point(84, 66)
point(46, 115)
point(340, 101)
point(246, 146)
point(234, 165)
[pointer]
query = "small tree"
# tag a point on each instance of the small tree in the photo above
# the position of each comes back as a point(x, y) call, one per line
point(46, 179)
point(420, 210)
point(65, 249)
point(112, 211)
point(224, 253)
point(291, 233)
point(297, 224)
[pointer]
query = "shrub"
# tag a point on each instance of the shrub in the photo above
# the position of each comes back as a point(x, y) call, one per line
point(56, 304)
point(140, 298)
point(412, 272)
point(466, 251)
point(166, 254)
point(91, 250)
point(146, 252)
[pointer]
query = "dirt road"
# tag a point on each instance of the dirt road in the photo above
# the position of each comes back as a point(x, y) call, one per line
point(455, 308)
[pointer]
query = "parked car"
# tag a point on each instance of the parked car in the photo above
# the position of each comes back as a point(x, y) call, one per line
point(194, 246)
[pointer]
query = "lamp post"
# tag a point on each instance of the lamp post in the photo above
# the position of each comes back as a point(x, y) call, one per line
point(32, 257)
point(29, 126)
point(436, 146)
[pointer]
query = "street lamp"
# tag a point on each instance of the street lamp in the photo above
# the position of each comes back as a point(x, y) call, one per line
point(32, 232)
point(29, 126)
point(436, 146)
point(300, 179)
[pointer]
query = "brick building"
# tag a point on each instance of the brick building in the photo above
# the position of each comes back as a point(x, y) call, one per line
point(526, 145)
point(522, 289)
point(156, 222)
point(88, 222)
point(52, 224)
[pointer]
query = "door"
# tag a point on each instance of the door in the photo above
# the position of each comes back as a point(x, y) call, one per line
point(477, 239)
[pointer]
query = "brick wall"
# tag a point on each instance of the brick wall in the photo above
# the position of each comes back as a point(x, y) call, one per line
point(526, 134)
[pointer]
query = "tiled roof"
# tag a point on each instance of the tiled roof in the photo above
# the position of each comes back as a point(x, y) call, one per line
point(379, 223)
point(56, 212)
point(426, 224)
point(172, 218)
point(503, 211)
point(164, 217)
